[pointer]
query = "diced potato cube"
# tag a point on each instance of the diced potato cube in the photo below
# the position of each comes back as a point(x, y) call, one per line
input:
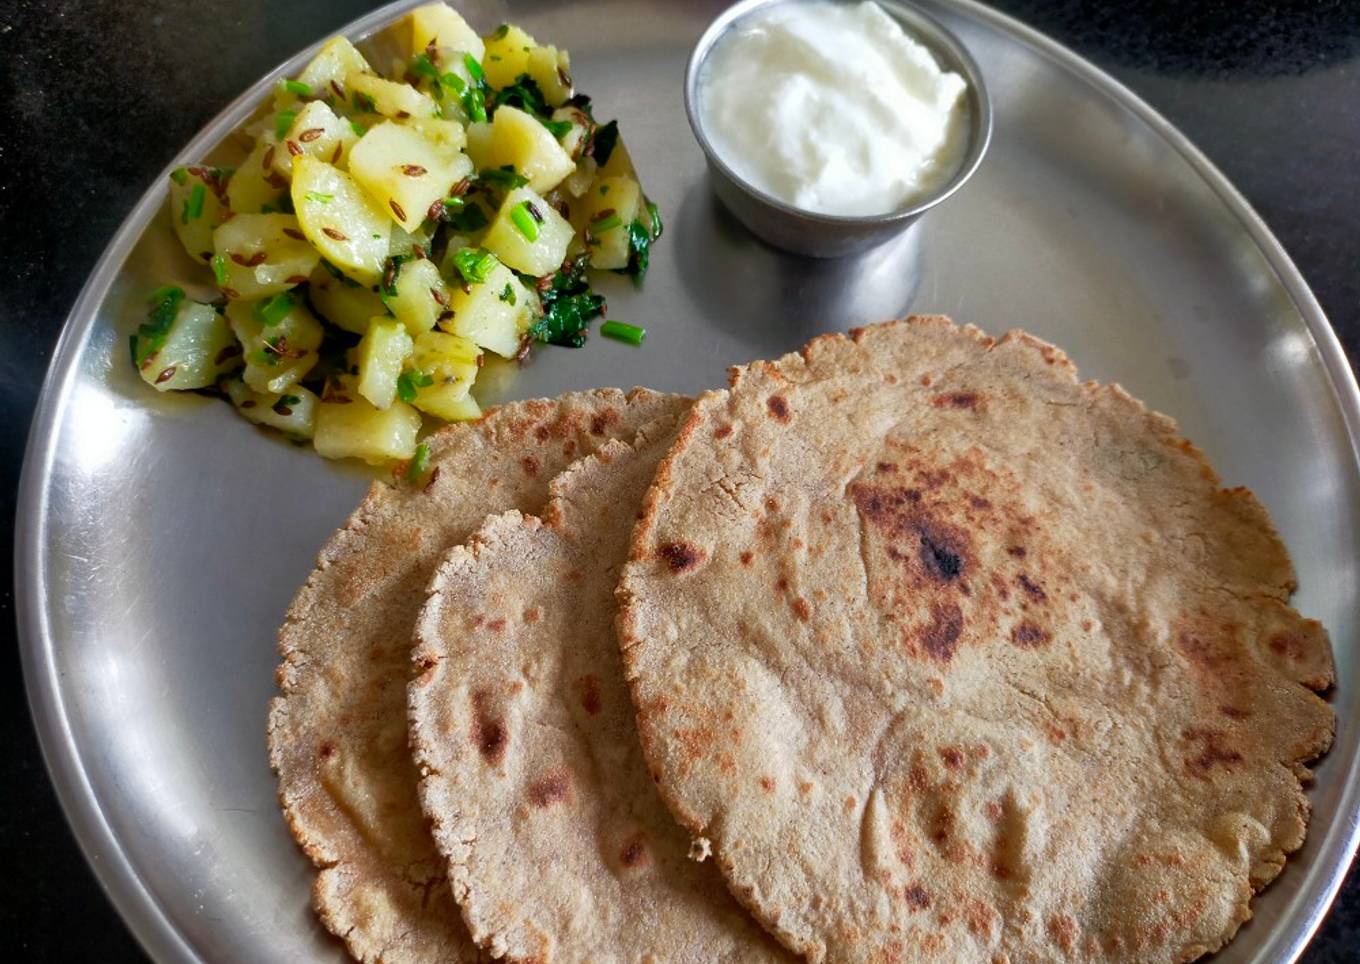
point(293, 413)
point(408, 244)
point(463, 409)
point(340, 219)
point(611, 205)
point(550, 69)
point(344, 303)
point(262, 255)
point(255, 186)
point(277, 355)
point(347, 426)
point(390, 98)
point(405, 172)
point(494, 313)
point(326, 73)
point(506, 55)
point(196, 208)
point(439, 24)
point(478, 145)
point(445, 134)
point(421, 296)
point(518, 139)
point(538, 256)
point(197, 349)
point(382, 353)
point(575, 139)
point(452, 363)
point(317, 132)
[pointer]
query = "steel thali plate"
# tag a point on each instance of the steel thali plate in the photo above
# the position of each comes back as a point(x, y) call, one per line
point(160, 539)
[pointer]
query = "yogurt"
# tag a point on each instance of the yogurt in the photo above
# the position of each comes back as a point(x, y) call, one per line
point(832, 108)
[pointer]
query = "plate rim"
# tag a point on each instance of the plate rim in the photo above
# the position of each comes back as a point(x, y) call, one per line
point(82, 808)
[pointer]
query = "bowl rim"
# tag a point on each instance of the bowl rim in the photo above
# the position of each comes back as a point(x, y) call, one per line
point(948, 50)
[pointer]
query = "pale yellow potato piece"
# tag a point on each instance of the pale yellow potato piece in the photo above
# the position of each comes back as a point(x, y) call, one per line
point(198, 349)
point(550, 69)
point(277, 356)
point(442, 26)
point(406, 172)
point(506, 55)
point(195, 231)
point(339, 218)
point(255, 186)
point(575, 139)
point(494, 313)
point(445, 134)
point(382, 354)
point(610, 197)
point(355, 429)
point(392, 98)
point(518, 139)
point(263, 254)
point(326, 72)
point(346, 304)
point(451, 361)
point(293, 412)
point(538, 257)
point(422, 296)
point(317, 132)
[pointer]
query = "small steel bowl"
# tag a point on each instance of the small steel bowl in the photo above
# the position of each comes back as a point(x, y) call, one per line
point(825, 235)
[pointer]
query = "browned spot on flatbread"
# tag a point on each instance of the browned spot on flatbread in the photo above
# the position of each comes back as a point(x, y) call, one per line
point(1031, 588)
point(916, 897)
point(551, 789)
point(634, 852)
point(601, 422)
point(801, 609)
point(1233, 713)
point(326, 750)
point(1212, 751)
point(533, 614)
point(779, 407)
point(952, 757)
point(767, 784)
point(488, 731)
point(941, 636)
point(496, 625)
point(589, 688)
point(530, 465)
point(1063, 930)
point(1029, 636)
point(956, 400)
point(722, 431)
point(746, 558)
point(680, 556)
point(541, 433)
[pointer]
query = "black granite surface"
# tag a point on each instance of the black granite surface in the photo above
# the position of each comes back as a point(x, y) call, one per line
point(98, 95)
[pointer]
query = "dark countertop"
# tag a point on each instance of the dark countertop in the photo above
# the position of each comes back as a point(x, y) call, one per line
point(98, 96)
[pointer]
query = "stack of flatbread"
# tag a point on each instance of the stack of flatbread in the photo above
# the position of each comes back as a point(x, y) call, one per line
point(908, 646)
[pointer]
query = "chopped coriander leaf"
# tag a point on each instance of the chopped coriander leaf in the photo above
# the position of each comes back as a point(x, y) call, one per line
point(474, 264)
point(284, 406)
point(619, 331)
point(359, 129)
point(180, 175)
point(320, 198)
point(419, 463)
point(362, 103)
point(150, 337)
point(262, 358)
point(525, 94)
point(297, 87)
point(501, 31)
point(568, 306)
point(507, 294)
point(603, 142)
point(608, 223)
point(474, 104)
point(408, 383)
point(193, 205)
point(422, 66)
point(219, 268)
point(558, 128)
point(524, 221)
point(283, 122)
point(458, 84)
point(604, 189)
point(132, 344)
point(339, 275)
point(474, 69)
point(273, 310)
point(502, 177)
point(639, 250)
point(471, 218)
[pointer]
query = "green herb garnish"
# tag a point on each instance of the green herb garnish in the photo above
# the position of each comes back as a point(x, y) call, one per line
point(474, 69)
point(524, 221)
point(419, 463)
point(568, 306)
point(558, 129)
point(639, 250)
point(283, 122)
point(507, 294)
point(607, 223)
point(469, 219)
point(502, 177)
point(501, 32)
point(193, 205)
point(654, 215)
point(320, 198)
point(273, 310)
point(359, 129)
point(409, 383)
point(219, 268)
point(619, 331)
point(603, 143)
point(151, 335)
point(297, 87)
point(180, 175)
point(525, 94)
point(474, 264)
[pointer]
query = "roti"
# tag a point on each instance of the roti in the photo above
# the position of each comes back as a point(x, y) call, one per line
point(558, 846)
point(949, 656)
point(337, 734)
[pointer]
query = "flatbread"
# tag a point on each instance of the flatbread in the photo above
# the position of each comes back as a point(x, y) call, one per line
point(951, 657)
point(337, 734)
point(559, 847)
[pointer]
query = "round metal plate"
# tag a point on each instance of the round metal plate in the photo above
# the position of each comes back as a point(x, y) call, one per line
point(161, 538)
